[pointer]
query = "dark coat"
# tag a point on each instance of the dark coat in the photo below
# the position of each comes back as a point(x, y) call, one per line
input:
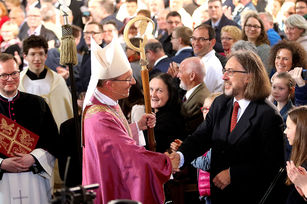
point(223, 22)
point(183, 55)
point(45, 33)
point(163, 64)
point(253, 151)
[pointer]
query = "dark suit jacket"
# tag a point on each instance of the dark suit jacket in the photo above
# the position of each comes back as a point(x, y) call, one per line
point(183, 55)
point(167, 45)
point(253, 150)
point(190, 109)
point(45, 33)
point(163, 65)
point(223, 22)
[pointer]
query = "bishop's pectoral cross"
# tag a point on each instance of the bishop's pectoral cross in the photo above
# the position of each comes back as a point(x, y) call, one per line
point(19, 197)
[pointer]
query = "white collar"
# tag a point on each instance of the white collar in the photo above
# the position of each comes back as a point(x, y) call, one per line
point(158, 60)
point(189, 92)
point(209, 55)
point(243, 103)
point(9, 98)
point(102, 98)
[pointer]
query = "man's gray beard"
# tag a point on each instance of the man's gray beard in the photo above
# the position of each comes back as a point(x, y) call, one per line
point(183, 86)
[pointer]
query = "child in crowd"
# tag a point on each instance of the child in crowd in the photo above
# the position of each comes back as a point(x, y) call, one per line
point(296, 132)
point(283, 86)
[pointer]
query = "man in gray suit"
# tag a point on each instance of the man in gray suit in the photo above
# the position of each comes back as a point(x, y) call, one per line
point(191, 74)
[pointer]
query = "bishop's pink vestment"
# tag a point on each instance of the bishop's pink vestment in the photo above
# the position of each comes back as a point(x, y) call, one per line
point(112, 159)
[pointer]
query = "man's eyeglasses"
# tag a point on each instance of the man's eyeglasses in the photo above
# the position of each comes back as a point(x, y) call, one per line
point(128, 80)
point(230, 72)
point(200, 39)
point(91, 33)
point(5, 76)
point(252, 26)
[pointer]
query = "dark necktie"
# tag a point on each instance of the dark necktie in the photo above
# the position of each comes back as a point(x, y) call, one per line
point(234, 115)
point(184, 99)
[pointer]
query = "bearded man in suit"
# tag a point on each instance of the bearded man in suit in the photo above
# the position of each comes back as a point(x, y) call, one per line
point(245, 134)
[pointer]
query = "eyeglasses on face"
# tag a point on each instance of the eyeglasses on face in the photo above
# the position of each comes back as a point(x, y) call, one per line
point(252, 26)
point(230, 72)
point(200, 39)
point(127, 80)
point(225, 38)
point(91, 33)
point(5, 76)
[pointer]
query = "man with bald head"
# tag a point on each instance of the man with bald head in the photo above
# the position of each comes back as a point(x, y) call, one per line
point(191, 74)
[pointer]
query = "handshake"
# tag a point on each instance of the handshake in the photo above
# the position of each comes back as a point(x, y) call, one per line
point(173, 155)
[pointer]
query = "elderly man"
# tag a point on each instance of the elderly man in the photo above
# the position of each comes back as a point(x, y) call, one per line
point(25, 178)
point(191, 74)
point(111, 156)
point(157, 59)
point(268, 23)
point(245, 133)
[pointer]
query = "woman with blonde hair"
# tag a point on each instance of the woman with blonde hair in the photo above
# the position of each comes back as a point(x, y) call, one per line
point(229, 35)
point(11, 43)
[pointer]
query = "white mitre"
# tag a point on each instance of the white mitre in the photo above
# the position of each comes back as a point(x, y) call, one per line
point(106, 63)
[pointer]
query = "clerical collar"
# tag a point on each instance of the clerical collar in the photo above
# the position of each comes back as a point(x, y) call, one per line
point(34, 76)
point(104, 99)
point(9, 98)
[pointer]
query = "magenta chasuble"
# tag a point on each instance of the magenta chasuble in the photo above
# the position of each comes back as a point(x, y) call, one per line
point(112, 159)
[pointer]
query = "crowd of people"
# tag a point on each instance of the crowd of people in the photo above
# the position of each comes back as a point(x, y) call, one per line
point(227, 88)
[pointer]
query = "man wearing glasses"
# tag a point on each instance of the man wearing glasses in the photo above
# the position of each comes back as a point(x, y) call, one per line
point(112, 156)
point(94, 30)
point(245, 133)
point(25, 178)
point(203, 41)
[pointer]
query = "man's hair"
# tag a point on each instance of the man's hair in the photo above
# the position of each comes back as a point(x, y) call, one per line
point(110, 22)
point(95, 23)
point(305, 1)
point(131, 1)
point(34, 42)
point(154, 46)
point(243, 45)
point(173, 14)
point(144, 12)
point(76, 31)
point(210, 30)
point(5, 57)
point(259, 86)
point(107, 5)
point(298, 53)
point(233, 31)
point(184, 33)
point(263, 37)
point(210, 1)
point(268, 16)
